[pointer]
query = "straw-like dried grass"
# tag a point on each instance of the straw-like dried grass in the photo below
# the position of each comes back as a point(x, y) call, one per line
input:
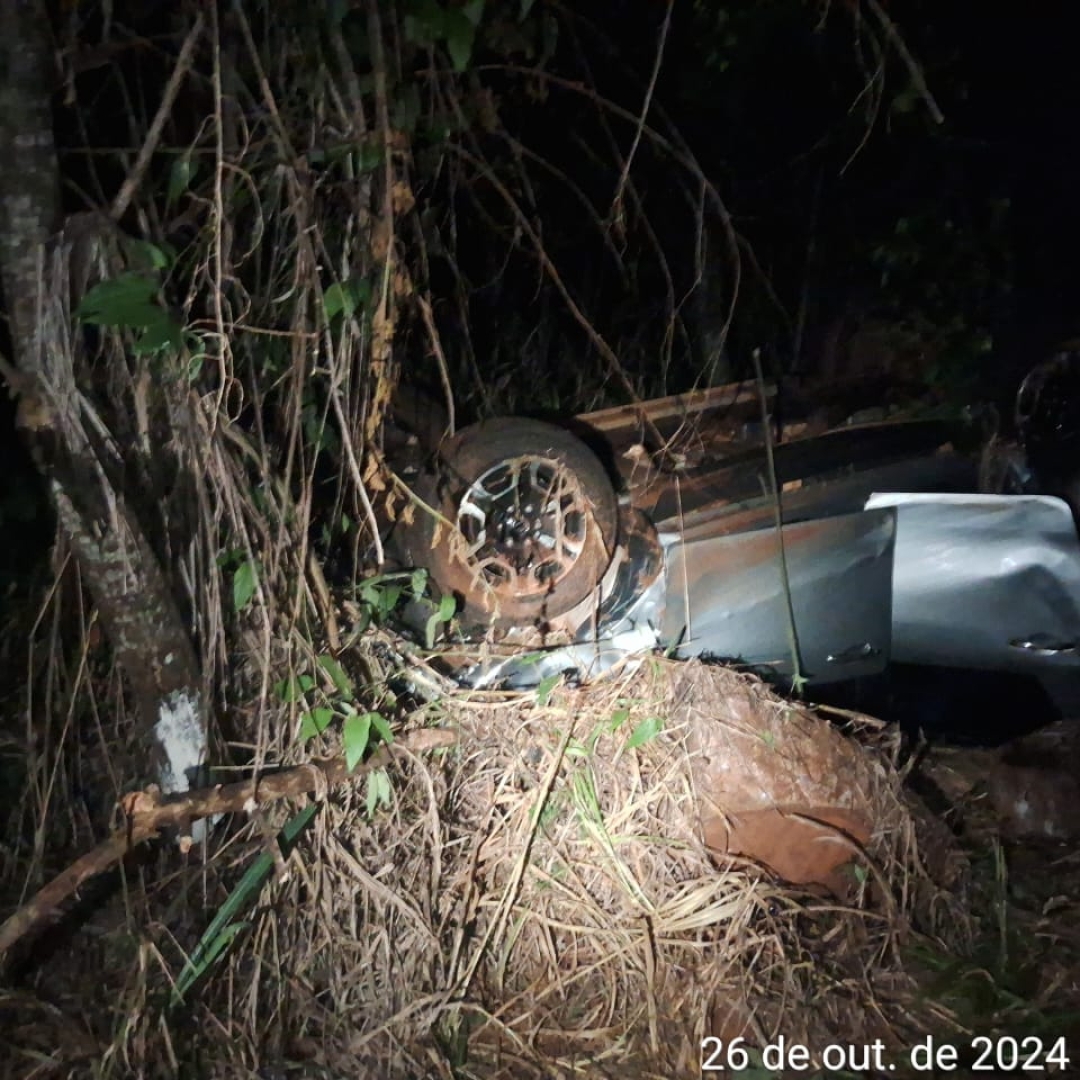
point(538, 902)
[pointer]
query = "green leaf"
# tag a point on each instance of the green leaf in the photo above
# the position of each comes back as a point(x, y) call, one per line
point(378, 790)
point(382, 592)
point(460, 35)
point(424, 24)
point(618, 718)
point(214, 948)
point(245, 581)
point(526, 7)
point(315, 722)
point(195, 366)
point(385, 599)
point(145, 253)
point(443, 614)
point(128, 301)
point(544, 688)
point(180, 177)
point(645, 731)
point(319, 434)
point(344, 298)
point(473, 10)
point(369, 157)
point(225, 927)
point(418, 583)
point(161, 334)
point(379, 723)
point(357, 735)
point(363, 620)
point(292, 688)
point(342, 683)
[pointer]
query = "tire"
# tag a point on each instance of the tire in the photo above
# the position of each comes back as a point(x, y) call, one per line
point(534, 523)
point(1048, 415)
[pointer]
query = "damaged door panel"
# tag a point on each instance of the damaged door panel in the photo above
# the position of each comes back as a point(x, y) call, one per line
point(726, 596)
point(991, 582)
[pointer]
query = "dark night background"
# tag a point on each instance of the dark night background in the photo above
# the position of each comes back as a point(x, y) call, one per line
point(966, 229)
point(1009, 90)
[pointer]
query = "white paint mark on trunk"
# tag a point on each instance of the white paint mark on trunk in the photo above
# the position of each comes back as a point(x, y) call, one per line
point(181, 731)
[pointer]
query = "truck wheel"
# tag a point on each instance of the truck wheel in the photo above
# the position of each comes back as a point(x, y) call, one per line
point(529, 527)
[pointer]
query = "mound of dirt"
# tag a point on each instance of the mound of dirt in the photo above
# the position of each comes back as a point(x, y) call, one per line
point(597, 880)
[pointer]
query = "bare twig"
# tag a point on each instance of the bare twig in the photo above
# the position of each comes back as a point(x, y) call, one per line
point(615, 369)
point(873, 91)
point(153, 136)
point(918, 79)
point(358, 478)
point(679, 152)
point(497, 925)
point(616, 201)
point(778, 513)
point(440, 358)
point(382, 117)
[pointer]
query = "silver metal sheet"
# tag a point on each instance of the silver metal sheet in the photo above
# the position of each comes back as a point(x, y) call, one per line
point(635, 633)
point(985, 581)
point(726, 596)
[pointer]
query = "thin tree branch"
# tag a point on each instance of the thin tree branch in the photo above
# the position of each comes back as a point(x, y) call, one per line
point(440, 359)
point(614, 368)
point(616, 201)
point(673, 145)
point(918, 79)
point(775, 490)
point(153, 136)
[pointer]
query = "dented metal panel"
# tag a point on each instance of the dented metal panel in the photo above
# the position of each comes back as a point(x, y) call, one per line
point(723, 597)
point(726, 596)
point(985, 581)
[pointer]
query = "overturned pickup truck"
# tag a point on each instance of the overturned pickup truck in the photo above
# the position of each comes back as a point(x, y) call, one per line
point(569, 548)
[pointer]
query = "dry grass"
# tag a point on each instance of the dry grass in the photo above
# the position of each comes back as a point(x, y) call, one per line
point(535, 903)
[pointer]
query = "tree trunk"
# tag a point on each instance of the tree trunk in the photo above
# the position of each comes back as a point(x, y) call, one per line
point(36, 261)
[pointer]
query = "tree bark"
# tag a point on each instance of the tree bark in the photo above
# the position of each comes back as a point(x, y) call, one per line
point(37, 258)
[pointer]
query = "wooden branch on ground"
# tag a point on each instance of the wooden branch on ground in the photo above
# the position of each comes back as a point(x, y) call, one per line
point(146, 813)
